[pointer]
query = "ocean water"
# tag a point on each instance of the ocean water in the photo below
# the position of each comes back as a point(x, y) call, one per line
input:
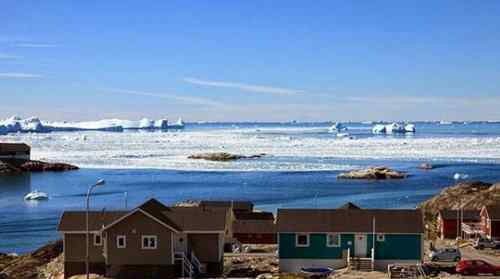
point(299, 171)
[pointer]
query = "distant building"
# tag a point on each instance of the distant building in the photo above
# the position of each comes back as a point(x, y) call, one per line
point(237, 206)
point(255, 228)
point(150, 241)
point(14, 153)
point(341, 237)
point(450, 221)
point(490, 221)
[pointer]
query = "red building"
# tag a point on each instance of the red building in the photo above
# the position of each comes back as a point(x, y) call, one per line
point(490, 221)
point(254, 228)
point(450, 220)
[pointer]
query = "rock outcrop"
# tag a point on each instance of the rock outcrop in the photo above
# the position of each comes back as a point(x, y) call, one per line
point(34, 166)
point(222, 156)
point(374, 173)
point(27, 266)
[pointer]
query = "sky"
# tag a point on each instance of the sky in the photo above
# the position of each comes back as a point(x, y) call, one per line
point(250, 60)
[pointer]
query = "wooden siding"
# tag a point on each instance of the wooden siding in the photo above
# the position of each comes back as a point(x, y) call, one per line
point(74, 248)
point(206, 247)
point(395, 246)
point(134, 227)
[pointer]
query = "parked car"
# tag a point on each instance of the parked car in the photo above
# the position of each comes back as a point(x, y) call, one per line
point(446, 254)
point(482, 243)
point(474, 267)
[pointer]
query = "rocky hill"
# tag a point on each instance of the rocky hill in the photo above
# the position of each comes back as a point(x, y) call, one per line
point(34, 166)
point(28, 266)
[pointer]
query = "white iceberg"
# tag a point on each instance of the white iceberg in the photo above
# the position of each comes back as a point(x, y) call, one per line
point(337, 127)
point(379, 129)
point(394, 128)
point(410, 128)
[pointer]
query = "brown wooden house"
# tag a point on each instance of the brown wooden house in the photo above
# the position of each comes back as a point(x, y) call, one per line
point(490, 221)
point(150, 241)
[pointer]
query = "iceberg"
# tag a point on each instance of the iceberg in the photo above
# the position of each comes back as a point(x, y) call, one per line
point(394, 128)
point(410, 128)
point(379, 129)
point(16, 124)
point(337, 127)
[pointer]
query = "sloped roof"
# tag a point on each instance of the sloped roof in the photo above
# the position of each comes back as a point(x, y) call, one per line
point(469, 215)
point(254, 215)
point(493, 212)
point(156, 209)
point(13, 147)
point(254, 226)
point(340, 220)
point(197, 218)
point(349, 205)
point(236, 205)
point(76, 221)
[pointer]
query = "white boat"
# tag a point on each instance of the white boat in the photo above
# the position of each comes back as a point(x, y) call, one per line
point(36, 196)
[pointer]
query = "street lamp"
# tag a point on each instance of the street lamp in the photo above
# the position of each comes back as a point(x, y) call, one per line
point(99, 182)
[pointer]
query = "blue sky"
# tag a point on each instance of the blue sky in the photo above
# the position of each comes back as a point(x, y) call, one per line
point(250, 60)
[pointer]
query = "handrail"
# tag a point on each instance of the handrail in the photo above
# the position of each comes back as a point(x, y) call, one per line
point(185, 265)
point(195, 262)
point(348, 257)
point(373, 258)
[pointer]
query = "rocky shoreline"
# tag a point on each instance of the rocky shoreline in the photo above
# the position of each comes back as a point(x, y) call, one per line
point(34, 166)
point(223, 156)
point(373, 173)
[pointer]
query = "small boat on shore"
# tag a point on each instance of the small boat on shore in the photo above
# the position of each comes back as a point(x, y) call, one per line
point(321, 272)
point(36, 196)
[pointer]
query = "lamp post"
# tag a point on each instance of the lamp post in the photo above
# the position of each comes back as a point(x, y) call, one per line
point(99, 182)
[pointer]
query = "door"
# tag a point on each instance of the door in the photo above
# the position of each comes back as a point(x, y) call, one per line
point(360, 245)
point(180, 240)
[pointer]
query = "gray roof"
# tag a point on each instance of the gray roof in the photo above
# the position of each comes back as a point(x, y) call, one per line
point(236, 205)
point(76, 220)
point(341, 220)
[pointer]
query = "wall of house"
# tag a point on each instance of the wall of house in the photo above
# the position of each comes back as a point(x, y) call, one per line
point(256, 238)
point(134, 227)
point(495, 229)
point(395, 246)
point(206, 246)
point(449, 229)
point(74, 248)
point(317, 248)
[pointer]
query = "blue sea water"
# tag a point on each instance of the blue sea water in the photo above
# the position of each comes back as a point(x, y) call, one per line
point(24, 226)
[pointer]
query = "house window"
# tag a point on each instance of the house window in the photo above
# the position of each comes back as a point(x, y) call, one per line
point(121, 241)
point(149, 241)
point(302, 240)
point(97, 239)
point(380, 237)
point(333, 240)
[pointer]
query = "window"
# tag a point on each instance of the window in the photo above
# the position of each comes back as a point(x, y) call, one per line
point(302, 240)
point(97, 239)
point(121, 241)
point(380, 237)
point(149, 242)
point(333, 240)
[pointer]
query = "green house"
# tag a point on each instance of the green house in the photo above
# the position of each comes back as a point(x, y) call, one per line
point(337, 237)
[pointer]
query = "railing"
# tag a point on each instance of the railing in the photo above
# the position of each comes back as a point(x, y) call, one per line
point(348, 257)
point(195, 262)
point(186, 266)
point(373, 258)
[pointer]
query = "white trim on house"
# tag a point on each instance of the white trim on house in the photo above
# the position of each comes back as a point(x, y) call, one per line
point(380, 237)
point(339, 239)
point(96, 237)
point(149, 238)
point(297, 244)
point(118, 237)
point(143, 212)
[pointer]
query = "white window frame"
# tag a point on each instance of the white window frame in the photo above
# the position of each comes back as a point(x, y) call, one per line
point(297, 244)
point(118, 237)
point(152, 237)
point(380, 237)
point(328, 238)
point(95, 239)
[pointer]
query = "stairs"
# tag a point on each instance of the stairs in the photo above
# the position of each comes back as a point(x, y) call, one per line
point(361, 264)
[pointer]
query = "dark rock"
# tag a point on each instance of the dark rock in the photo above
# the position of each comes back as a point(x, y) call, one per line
point(223, 156)
point(44, 166)
point(375, 173)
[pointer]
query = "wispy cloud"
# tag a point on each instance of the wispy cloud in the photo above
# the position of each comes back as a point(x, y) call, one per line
point(19, 76)
point(35, 45)
point(245, 87)
point(177, 97)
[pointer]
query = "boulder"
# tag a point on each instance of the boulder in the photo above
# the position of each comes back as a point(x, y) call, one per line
point(222, 156)
point(374, 173)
